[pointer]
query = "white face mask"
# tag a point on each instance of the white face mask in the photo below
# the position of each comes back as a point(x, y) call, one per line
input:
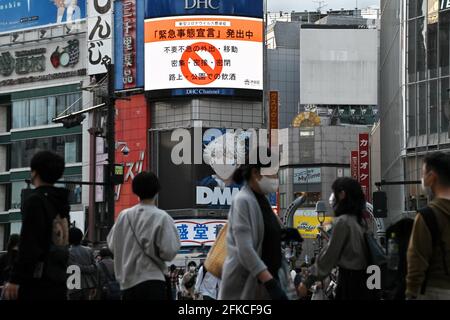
point(332, 200)
point(268, 185)
point(192, 269)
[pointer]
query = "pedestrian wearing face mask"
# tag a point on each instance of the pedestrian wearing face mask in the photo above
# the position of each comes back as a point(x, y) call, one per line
point(428, 256)
point(252, 267)
point(346, 248)
point(188, 282)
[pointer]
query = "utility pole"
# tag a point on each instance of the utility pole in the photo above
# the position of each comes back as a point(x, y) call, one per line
point(111, 145)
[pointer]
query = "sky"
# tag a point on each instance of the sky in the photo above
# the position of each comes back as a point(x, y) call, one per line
point(302, 5)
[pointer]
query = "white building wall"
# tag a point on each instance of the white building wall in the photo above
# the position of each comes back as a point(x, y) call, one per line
point(338, 66)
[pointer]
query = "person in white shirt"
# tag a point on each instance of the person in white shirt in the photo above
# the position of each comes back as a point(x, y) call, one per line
point(207, 285)
point(142, 240)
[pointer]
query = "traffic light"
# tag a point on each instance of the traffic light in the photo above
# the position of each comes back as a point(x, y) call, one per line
point(73, 121)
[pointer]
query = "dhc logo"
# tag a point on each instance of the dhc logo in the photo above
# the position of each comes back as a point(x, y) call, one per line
point(201, 4)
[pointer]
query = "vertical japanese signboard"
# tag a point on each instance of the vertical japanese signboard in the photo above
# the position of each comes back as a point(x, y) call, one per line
point(354, 165)
point(129, 44)
point(273, 111)
point(100, 35)
point(364, 164)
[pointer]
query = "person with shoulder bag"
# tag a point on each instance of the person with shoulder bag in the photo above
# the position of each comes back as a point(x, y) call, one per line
point(142, 240)
point(347, 248)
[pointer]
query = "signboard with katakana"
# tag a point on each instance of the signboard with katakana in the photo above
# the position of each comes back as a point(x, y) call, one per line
point(199, 232)
point(364, 164)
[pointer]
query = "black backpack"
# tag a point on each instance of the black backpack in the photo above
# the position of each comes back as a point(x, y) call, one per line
point(53, 267)
point(110, 289)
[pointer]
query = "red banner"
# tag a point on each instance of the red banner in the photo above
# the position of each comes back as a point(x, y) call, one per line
point(354, 165)
point(364, 164)
point(132, 124)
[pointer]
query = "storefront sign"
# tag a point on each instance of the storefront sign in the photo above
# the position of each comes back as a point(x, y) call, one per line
point(100, 33)
point(57, 60)
point(354, 165)
point(364, 164)
point(199, 232)
point(307, 175)
point(306, 222)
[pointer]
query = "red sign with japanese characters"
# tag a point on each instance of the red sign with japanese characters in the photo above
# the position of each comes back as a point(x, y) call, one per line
point(354, 164)
point(191, 59)
point(364, 164)
point(132, 124)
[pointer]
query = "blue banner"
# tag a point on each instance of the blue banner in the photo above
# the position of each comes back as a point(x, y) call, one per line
point(138, 45)
point(167, 8)
point(22, 14)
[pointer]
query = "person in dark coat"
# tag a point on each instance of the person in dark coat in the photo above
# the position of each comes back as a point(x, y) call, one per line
point(8, 259)
point(83, 257)
point(40, 272)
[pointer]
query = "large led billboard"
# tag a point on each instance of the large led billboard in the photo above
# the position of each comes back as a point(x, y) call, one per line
point(22, 14)
point(207, 48)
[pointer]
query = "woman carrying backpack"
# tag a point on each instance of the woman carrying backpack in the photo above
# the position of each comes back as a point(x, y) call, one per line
point(347, 248)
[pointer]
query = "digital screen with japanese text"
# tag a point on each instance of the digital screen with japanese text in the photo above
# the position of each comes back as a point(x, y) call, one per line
point(203, 52)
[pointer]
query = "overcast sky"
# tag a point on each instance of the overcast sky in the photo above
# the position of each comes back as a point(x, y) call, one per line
point(301, 5)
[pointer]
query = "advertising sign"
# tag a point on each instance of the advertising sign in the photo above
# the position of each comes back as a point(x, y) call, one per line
point(166, 8)
point(204, 52)
point(305, 221)
point(307, 175)
point(36, 63)
point(132, 122)
point(354, 164)
point(100, 35)
point(198, 232)
point(24, 14)
point(129, 44)
point(364, 164)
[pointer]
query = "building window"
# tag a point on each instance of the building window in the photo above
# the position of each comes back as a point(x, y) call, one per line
point(74, 189)
point(433, 106)
point(412, 110)
point(422, 108)
point(445, 85)
point(41, 111)
point(68, 147)
point(16, 192)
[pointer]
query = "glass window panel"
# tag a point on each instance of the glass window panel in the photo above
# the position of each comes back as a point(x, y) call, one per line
point(433, 106)
point(16, 191)
point(51, 102)
point(74, 100)
point(61, 104)
point(412, 50)
point(421, 52)
point(422, 108)
point(432, 51)
point(20, 114)
point(444, 35)
point(412, 8)
point(421, 7)
point(445, 85)
point(412, 110)
point(38, 112)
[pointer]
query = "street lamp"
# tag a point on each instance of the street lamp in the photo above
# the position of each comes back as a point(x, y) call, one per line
point(321, 210)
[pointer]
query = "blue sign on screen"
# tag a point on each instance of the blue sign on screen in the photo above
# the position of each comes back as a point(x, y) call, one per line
point(167, 8)
point(22, 14)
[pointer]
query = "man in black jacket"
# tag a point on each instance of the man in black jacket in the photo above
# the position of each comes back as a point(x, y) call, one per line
point(40, 272)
